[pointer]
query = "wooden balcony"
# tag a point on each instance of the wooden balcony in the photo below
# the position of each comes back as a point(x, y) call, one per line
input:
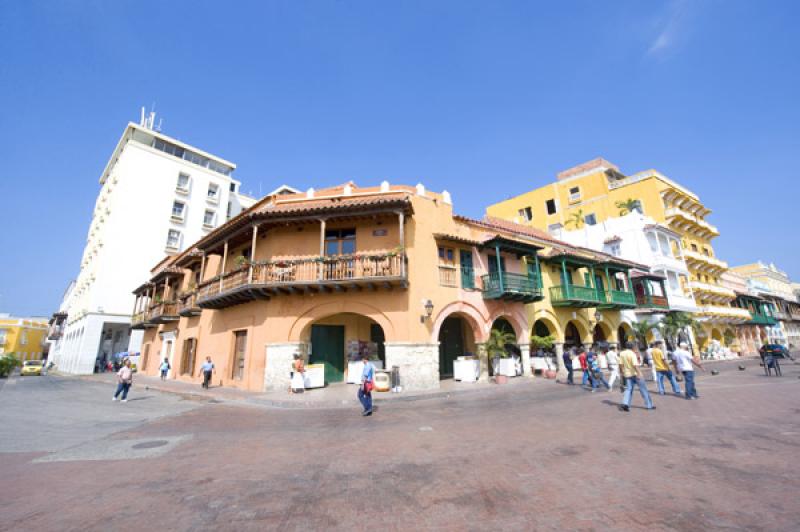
point(653, 302)
point(303, 276)
point(141, 320)
point(511, 287)
point(164, 312)
point(617, 299)
point(762, 319)
point(574, 295)
point(188, 307)
point(55, 332)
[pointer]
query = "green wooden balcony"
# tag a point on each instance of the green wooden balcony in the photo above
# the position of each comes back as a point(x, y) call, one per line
point(617, 299)
point(762, 319)
point(651, 301)
point(574, 295)
point(511, 286)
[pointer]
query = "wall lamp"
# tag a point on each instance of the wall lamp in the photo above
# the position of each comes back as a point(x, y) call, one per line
point(428, 306)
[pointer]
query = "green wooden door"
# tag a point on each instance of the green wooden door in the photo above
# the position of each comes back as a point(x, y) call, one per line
point(600, 286)
point(451, 345)
point(327, 347)
point(467, 271)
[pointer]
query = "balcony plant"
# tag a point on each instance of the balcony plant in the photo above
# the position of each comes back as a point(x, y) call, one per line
point(628, 206)
point(241, 261)
point(575, 219)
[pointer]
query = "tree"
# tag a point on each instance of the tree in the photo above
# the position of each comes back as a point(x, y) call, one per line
point(575, 219)
point(640, 330)
point(497, 342)
point(674, 327)
point(629, 205)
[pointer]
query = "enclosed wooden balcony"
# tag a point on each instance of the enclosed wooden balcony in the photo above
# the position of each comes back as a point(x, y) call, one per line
point(574, 295)
point(762, 319)
point(617, 299)
point(141, 320)
point(164, 312)
point(302, 276)
point(652, 301)
point(511, 287)
point(188, 307)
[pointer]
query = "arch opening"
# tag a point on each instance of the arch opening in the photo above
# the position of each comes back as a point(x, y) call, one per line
point(456, 339)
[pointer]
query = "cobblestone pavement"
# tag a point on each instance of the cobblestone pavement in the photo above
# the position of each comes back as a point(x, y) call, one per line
point(544, 457)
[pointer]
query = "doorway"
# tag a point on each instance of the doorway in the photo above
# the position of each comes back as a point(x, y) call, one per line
point(239, 353)
point(327, 348)
point(451, 345)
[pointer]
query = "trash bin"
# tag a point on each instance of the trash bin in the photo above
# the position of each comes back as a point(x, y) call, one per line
point(395, 378)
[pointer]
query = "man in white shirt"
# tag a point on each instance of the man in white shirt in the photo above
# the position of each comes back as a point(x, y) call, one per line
point(684, 363)
point(613, 366)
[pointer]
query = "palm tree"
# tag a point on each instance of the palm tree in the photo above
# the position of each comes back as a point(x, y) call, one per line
point(674, 326)
point(575, 219)
point(640, 330)
point(497, 342)
point(629, 205)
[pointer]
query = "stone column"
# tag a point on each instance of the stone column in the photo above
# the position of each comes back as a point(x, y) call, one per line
point(418, 363)
point(279, 364)
point(526, 360)
point(483, 358)
point(562, 370)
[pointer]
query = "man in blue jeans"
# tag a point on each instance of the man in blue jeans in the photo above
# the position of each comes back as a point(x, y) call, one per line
point(685, 362)
point(567, 358)
point(595, 370)
point(367, 383)
point(633, 377)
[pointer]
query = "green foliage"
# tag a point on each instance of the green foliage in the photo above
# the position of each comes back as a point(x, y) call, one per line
point(498, 340)
point(729, 337)
point(640, 330)
point(7, 364)
point(575, 219)
point(543, 342)
point(629, 205)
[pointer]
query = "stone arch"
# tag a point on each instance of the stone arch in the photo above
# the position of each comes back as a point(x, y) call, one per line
point(551, 321)
point(517, 321)
point(472, 315)
point(625, 332)
point(717, 335)
point(317, 312)
point(601, 332)
point(575, 332)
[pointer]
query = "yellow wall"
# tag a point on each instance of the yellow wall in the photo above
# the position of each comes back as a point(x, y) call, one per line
point(24, 337)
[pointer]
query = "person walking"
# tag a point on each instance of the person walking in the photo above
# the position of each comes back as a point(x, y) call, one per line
point(165, 367)
point(567, 358)
point(662, 370)
point(613, 366)
point(583, 361)
point(298, 384)
point(684, 363)
point(367, 384)
point(633, 377)
point(595, 371)
point(207, 368)
point(124, 381)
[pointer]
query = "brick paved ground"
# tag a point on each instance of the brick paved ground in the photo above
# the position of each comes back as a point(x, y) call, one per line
point(548, 457)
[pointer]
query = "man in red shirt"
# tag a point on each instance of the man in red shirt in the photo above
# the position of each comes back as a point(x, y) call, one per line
point(587, 375)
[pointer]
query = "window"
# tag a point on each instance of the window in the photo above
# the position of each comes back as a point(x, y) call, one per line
point(706, 253)
point(188, 356)
point(551, 206)
point(694, 247)
point(173, 239)
point(340, 242)
point(178, 210)
point(467, 269)
point(574, 194)
point(229, 211)
point(233, 187)
point(183, 183)
point(526, 214)
point(23, 337)
point(614, 249)
point(446, 255)
point(209, 217)
point(590, 219)
point(554, 228)
point(213, 192)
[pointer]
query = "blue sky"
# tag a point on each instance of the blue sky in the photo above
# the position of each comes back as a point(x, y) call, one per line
point(484, 99)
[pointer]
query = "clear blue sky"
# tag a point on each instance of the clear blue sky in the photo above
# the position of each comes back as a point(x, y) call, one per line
point(485, 99)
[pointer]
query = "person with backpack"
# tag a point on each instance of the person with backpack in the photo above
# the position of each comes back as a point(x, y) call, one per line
point(367, 384)
point(165, 367)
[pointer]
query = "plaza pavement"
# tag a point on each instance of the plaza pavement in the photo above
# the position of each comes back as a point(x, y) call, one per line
point(536, 456)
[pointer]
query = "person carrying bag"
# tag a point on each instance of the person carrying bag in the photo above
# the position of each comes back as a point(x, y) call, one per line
point(367, 385)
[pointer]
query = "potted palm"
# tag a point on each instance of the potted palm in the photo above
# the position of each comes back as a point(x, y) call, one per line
point(496, 349)
point(544, 350)
point(628, 206)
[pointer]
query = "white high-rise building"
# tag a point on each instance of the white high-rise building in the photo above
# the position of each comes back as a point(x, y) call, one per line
point(157, 196)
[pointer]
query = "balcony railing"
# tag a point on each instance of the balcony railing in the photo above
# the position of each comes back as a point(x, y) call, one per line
point(573, 295)
point(318, 274)
point(141, 320)
point(762, 319)
point(188, 305)
point(55, 332)
point(651, 301)
point(447, 275)
point(617, 299)
point(164, 312)
point(511, 286)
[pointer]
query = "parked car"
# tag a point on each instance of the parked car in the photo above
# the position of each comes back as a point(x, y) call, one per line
point(32, 367)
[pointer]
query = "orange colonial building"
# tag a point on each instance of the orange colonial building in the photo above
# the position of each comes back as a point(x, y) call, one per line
point(386, 270)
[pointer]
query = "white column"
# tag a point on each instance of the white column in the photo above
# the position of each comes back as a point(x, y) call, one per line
point(525, 349)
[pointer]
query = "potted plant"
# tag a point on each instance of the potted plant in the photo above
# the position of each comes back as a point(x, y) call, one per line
point(241, 261)
point(496, 349)
point(545, 344)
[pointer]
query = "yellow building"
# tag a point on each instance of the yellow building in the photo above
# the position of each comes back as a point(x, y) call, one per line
point(594, 191)
point(24, 337)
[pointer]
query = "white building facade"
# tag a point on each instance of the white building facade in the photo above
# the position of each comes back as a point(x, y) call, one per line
point(157, 196)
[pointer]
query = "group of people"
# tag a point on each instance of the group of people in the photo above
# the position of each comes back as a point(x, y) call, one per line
point(125, 376)
point(626, 366)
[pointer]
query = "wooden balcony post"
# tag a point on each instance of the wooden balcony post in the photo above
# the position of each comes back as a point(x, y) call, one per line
point(202, 267)
point(252, 254)
point(565, 280)
point(222, 265)
point(630, 284)
point(402, 221)
point(499, 267)
point(539, 281)
point(321, 247)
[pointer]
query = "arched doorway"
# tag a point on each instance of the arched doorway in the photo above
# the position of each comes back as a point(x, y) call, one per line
point(337, 340)
point(456, 338)
point(572, 336)
point(503, 325)
point(716, 335)
point(540, 328)
point(599, 334)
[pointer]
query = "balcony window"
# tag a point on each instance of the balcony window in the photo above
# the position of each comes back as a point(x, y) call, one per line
point(574, 194)
point(178, 210)
point(554, 229)
point(173, 239)
point(590, 219)
point(233, 187)
point(551, 206)
point(209, 218)
point(526, 214)
point(614, 249)
point(183, 183)
point(340, 242)
point(213, 192)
